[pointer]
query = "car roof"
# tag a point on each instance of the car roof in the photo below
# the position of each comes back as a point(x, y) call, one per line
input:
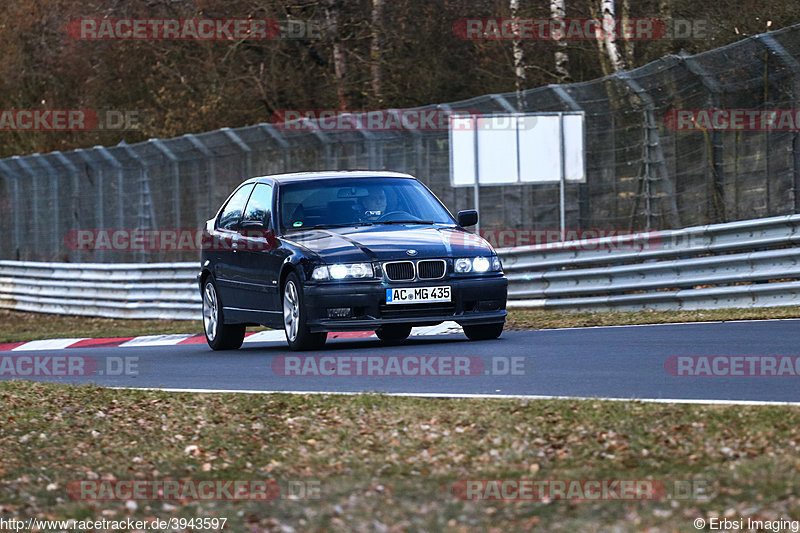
point(328, 174)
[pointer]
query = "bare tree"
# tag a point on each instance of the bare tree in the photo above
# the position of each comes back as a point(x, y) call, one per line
point(339, 60)
point(519, 65)
point(558, 11)
point(375, 51)
point(628, 42)
point(609, 36)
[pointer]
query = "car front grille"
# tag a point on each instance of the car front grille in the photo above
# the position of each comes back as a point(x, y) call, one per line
point(399, 270)
point(431, 269)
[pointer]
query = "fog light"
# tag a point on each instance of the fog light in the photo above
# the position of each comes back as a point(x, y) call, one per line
point(339, 312)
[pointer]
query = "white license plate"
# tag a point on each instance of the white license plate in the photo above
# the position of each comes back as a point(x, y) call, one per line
point(415, 295)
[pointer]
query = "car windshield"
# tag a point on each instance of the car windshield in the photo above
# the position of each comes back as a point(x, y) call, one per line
point(358, 201)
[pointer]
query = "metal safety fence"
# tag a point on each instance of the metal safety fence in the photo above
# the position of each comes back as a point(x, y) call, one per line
point(754, 263)
point(644, 172)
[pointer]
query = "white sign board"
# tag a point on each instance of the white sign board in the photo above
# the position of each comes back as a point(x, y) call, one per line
point(516, 149)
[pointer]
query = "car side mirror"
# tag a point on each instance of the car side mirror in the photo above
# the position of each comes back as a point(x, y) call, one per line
point(468, 217)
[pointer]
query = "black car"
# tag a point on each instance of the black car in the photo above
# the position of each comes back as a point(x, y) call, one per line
point(345, 251)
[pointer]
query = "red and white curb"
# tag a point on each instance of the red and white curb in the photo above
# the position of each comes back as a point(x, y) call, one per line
point(445, 328)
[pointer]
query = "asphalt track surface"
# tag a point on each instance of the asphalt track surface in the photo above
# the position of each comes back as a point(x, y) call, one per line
point(603, 362)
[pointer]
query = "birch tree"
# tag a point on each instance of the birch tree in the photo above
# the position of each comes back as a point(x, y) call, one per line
point(339, 60)
point(519, 65)
point(375, 51)
point(558, 12)
point(609, 36)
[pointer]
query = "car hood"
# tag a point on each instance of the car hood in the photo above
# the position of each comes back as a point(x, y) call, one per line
point(382, 243)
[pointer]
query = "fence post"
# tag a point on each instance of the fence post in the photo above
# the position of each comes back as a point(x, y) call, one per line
point(583, 188)
point(652, 147)
point(173, 161)
point(715, 139)
point(55, 198)
point(146, 210)
point(212, 172)
point(794, 66)
point(75, 188)
point(13, 177)
point(243, 147)
point(273, 132)
point(23, 164)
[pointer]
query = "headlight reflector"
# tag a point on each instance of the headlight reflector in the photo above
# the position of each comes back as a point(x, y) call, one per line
point(463, 264)
point(338, 272)
point(479, 265)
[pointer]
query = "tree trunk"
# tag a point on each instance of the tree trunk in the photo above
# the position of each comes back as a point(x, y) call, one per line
point(558, 11)
point(339, 60)
point(519, 65)
point(628, 42)
point(609, 36)
point(375, 51)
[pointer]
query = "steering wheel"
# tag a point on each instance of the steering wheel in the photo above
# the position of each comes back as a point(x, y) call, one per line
point(383, 218)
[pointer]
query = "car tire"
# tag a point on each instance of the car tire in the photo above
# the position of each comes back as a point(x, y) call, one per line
point(393, 332)
point(219, 335)
point(295, 317)
point(484, 332)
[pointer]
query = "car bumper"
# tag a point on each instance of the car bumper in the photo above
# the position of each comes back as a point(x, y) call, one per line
point(474, 301)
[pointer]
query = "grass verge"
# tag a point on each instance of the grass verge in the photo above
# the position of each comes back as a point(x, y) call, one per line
point(389, 464)
point(17, 326)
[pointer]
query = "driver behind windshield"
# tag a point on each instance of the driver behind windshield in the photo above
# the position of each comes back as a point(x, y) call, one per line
point(374, 204)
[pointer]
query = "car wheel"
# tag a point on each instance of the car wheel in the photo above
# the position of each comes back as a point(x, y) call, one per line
point(298, 335)
point(393, 333)
point(484, 332)
point(219, 335)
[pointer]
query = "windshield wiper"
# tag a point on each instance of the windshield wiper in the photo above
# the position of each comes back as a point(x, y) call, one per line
point(407, 222)
point(325, 226)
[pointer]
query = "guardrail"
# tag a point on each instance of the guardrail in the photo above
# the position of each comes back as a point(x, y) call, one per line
point(116, 290)
point(753, 263)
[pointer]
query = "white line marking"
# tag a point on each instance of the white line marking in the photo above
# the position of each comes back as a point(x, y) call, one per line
point(445, 328)
point(266, 336)
point(473, 396)
point(155, 340)
point(47, 344)
point(665, 324)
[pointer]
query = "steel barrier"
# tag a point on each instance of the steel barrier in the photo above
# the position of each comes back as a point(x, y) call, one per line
point(753, 263)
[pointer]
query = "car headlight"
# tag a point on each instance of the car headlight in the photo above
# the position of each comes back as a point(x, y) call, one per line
point(478, 265)
point(352, 270)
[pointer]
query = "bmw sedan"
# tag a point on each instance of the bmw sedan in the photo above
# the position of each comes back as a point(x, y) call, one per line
point(345, 251)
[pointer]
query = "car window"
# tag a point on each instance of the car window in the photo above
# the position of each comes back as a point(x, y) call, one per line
point(357, 201)
point(233, 209)
point(259, 207)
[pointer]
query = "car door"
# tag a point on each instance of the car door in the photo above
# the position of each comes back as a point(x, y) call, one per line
point(227, 264)
point(259, 253)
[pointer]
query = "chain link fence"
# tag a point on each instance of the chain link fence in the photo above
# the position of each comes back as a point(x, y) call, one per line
point(642, 174)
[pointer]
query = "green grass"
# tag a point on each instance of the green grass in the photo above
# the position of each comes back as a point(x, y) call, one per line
point(389, 461)
point(17, 326)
